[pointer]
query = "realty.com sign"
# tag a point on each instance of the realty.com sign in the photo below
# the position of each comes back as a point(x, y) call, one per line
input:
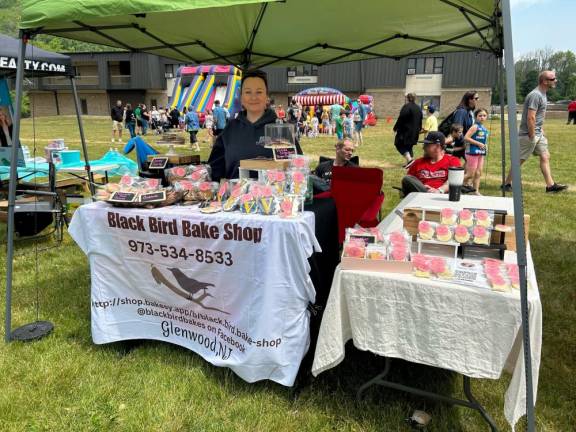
point(33, 65)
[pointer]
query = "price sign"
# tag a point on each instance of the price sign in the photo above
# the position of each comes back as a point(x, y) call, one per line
point(366, 238)
point(283, 153)
point(153, 197)
point(158, 163)
point(123, 197)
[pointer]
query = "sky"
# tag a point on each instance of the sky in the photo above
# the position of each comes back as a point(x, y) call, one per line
point(543, 23)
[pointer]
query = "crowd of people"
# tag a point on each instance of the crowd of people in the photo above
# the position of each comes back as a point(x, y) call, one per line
point(139, 120)
point(334, 120)
point(465, 139)
point(462, 138)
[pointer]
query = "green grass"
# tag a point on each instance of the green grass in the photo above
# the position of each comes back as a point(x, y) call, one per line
point(64, 382)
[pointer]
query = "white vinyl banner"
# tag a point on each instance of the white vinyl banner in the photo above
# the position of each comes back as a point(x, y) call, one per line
point(230, 287)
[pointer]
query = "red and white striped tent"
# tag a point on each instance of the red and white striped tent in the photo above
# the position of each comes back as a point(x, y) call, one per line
point(320, 96)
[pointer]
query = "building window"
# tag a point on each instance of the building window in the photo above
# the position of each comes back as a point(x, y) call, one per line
point(153, 102)
point(425, 65)
point(303, 74)
point(169, 71)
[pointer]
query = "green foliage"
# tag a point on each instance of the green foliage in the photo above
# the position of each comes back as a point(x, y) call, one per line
point(571, 87)
point(25, 112)
point(528, 83)
point(531, 64)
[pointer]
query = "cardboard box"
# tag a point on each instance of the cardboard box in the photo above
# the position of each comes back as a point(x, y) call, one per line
point(264, 164)
point(384, 266)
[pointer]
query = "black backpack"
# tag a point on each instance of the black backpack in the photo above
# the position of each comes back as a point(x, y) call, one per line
point(446, 124)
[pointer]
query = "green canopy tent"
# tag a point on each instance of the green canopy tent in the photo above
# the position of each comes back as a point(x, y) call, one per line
point(257, 33)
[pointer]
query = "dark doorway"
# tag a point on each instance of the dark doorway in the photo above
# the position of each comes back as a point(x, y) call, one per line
point(84, 106)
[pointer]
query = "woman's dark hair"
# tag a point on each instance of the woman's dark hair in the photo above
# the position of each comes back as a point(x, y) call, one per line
point(468, 96)
point(257, 73)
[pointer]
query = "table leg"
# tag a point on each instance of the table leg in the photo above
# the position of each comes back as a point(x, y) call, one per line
point(476, 405)
point(471, 403)
point(377, 380)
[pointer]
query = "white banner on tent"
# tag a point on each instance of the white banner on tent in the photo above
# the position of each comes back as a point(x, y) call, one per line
point(232, 288)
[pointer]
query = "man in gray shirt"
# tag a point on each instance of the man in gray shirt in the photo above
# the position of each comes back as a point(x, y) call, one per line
point(531, 138)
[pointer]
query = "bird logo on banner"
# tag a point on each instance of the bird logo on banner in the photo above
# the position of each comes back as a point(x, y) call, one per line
point(188, 287)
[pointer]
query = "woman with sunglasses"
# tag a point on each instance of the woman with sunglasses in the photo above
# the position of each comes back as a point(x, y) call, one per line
point(464, 113)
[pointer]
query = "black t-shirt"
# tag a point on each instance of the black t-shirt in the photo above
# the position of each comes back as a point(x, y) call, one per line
point(324, 169)
point(117, 113)
point(457, 143)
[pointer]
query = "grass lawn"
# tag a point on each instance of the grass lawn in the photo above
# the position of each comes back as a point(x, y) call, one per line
point(65, 382)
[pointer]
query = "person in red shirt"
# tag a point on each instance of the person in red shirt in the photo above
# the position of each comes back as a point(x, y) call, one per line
point(572, 112)
point(280, 114)
point(430, 173)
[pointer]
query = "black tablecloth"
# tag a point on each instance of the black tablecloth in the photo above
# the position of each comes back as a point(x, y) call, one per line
point(323, 264)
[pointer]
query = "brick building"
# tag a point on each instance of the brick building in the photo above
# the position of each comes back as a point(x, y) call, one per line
point(104, 77)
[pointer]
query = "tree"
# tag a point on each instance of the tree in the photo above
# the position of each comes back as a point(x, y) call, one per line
point(530, 81)
point(571, 87)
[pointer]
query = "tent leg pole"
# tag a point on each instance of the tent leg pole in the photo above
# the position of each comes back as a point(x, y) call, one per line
point(518, 208)
point(82, 138)
point(502, 123)
point(12, 186)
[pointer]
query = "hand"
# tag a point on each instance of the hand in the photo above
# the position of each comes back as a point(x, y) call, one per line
point(432, 190)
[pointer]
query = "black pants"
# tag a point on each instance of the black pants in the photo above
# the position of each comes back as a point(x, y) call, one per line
point(412, 184)
point(572, 117)
point(193, 139)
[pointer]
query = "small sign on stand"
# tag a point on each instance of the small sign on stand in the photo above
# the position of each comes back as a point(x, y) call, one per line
point(158, 163)
point(123, 197)
point(283, 153)
point(153, 197)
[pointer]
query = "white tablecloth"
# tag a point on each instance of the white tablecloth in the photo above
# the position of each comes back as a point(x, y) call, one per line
point(473, 331)
point(233, 288)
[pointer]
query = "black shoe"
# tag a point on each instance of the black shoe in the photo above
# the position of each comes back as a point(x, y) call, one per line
point(466, 189)
point(556, 188)
point(408, 164)
point(506, 187)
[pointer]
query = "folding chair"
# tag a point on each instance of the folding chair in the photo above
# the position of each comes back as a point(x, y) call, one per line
point(358, 196)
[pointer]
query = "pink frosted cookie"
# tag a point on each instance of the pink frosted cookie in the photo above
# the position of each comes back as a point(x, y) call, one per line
point(465, 217)
point(421, 266)
point(499, 284)
point(443, 233)
point(483, 218)
point(439, 267)
point(425, 230)
point(399, 253)
point(447, 216)
point(354, 250)
point(492, 273)
point(481, 235)
point(461, 234)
